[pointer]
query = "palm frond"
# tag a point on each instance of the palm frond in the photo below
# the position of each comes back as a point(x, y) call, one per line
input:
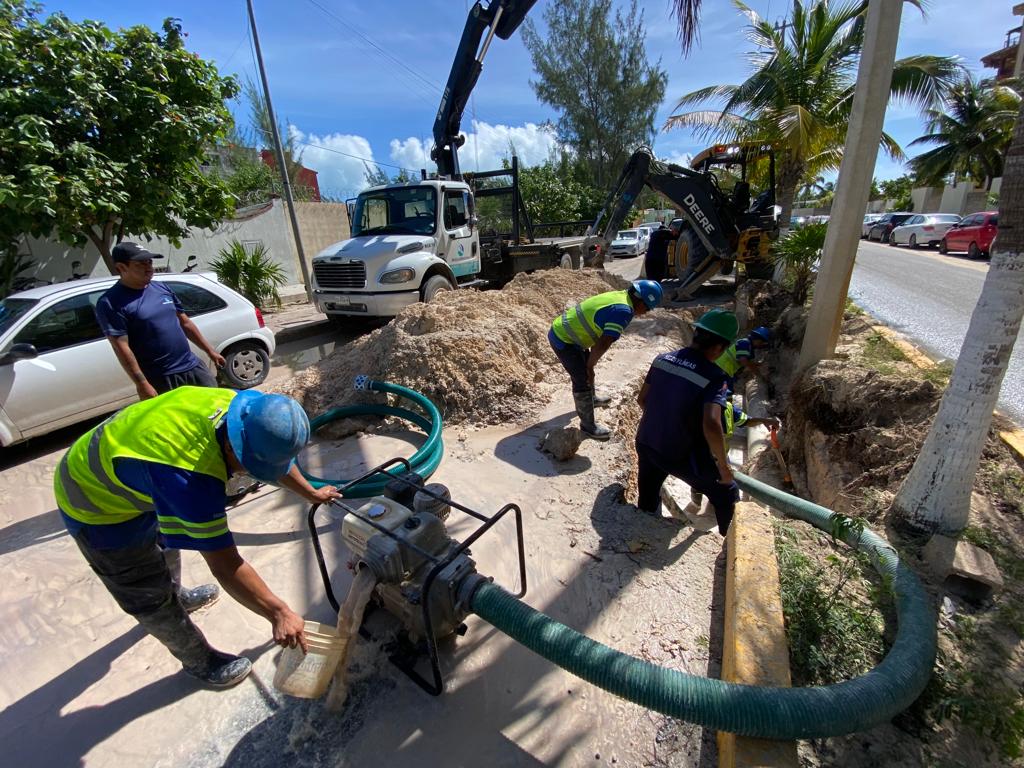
point(687, 14)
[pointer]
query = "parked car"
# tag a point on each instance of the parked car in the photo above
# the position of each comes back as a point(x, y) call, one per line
point(626, 243)
point(57, 368)
point(796, 222)
point(923, 229)
point(973, 234)
point(869, 221)
point(882, 228)
point(646, 230)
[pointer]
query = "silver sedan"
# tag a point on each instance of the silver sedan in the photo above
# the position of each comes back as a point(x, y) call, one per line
point(923, 229)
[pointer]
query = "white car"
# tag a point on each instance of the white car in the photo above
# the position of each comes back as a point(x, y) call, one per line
point(626, 243)
point(57, 368)
point(924, 229)
point(646, 230)
point(868, 223)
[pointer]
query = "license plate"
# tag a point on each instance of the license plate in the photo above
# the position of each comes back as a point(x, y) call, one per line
point(342, 301)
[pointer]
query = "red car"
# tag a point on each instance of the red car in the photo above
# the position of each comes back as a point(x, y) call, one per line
point(974, 234)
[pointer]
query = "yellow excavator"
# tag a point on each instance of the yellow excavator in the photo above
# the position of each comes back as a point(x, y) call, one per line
point(722, 222)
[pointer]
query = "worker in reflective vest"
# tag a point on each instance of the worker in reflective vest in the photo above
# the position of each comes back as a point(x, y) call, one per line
point(150, 481)
point(740, 356)
point(584, 332)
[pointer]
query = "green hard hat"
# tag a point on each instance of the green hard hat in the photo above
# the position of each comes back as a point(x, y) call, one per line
point(721, 323)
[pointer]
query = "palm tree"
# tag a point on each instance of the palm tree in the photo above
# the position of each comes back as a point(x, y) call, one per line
point(970, 133)
point(800, 93)
point(936, 494)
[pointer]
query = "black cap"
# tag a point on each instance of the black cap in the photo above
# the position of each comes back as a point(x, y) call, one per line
point(125, 252)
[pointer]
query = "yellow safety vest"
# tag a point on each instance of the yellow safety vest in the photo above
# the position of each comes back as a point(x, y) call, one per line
point(728, 361)
point(731, 420)
point(177, 429)
point(576, 325)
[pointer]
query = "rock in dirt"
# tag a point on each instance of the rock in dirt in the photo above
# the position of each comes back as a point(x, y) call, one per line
point(478, 355)
point(963, 568)
point(562, 442)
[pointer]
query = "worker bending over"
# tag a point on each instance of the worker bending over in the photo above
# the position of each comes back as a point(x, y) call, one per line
point(583, 333)
point(740, 356)
point(680, 432)
point(150, 480)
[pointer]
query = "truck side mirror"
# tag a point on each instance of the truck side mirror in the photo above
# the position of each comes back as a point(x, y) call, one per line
point(472, 221)
point(19, 352)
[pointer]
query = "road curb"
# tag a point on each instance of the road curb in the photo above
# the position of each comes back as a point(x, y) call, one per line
point(301, 330)
point(1014, 439)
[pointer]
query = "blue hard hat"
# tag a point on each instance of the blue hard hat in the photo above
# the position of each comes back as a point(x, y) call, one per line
point(266, 433)
point(763, 333)
point(649, 292)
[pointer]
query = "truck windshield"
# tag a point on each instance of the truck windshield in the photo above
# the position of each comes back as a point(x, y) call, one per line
point(396, 211)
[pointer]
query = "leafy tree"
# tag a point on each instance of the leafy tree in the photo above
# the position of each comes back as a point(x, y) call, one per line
point(594, 71)
point(800, 94)
point(936, 494)
point(551, 194)
point(898, 192)
point(374, 177)
point(103, 132)
point(970, 133)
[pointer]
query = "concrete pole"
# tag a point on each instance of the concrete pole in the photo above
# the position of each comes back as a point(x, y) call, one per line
point(853, 187)
point(279, 152)
point(1018, 10)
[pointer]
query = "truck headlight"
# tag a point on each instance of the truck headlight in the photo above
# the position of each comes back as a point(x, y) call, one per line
point(403, 275)
point(408, 248)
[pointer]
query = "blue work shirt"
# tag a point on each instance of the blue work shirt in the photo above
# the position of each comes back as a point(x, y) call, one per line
point(611, 320)
point(190, 510)
point(149, 318)
point(679, 385)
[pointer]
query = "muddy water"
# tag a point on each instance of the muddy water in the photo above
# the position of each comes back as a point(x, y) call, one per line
point(349, 618)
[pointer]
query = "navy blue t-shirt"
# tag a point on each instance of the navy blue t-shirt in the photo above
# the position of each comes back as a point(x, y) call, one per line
point(149, 318)
point(679, 385)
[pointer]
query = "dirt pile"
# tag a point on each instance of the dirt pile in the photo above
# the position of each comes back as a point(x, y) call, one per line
point(479, 356)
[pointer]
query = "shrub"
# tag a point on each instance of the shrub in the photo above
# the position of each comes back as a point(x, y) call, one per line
point(799, 252)
point(252, 273)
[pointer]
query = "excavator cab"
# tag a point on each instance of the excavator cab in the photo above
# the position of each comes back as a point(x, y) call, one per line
point(744, 174)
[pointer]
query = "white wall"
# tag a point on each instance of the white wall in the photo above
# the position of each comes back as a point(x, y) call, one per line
point(320, 224)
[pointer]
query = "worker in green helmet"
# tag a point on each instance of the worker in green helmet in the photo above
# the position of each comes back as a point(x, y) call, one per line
point(680, 434)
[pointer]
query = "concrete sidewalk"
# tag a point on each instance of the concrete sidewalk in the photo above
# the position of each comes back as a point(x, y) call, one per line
point(296, 321)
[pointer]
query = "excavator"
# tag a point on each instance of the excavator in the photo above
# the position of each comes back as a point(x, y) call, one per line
point(721, 226)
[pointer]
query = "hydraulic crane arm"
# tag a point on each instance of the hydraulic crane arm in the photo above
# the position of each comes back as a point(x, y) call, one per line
point(501, 18)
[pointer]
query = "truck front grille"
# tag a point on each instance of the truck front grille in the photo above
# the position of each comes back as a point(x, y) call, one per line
point(351, 274)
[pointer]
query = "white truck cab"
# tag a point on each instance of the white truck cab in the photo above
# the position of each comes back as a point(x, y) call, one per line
point(408, 242)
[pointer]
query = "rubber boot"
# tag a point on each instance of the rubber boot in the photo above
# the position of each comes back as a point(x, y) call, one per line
point(601, 400)
point(171, 625)
point(585, 410)
point(191, 599)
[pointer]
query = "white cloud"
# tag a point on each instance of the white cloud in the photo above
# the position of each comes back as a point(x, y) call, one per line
point(337, 159)
point(679, 158)
point(486, 146)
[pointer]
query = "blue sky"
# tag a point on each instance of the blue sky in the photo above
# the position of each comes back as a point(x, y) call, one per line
point(363, 79)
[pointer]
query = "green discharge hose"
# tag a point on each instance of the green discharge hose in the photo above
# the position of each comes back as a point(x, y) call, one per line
point(423, 462)
point(764, 712)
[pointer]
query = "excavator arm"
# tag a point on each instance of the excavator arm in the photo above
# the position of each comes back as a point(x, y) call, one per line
point(695, 193)
point(501, 18)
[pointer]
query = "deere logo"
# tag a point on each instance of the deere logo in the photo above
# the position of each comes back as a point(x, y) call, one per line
point(705, 223)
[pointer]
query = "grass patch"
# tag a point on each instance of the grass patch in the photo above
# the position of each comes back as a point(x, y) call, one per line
point(833, 624)
point(852, 309)
point(882, 355)
point(939, 374)
point(1003, 481)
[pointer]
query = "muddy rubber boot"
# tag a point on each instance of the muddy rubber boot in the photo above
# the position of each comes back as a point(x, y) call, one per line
point(585, 410)
point(171, 625)
point(601, 400)
point(198, 597)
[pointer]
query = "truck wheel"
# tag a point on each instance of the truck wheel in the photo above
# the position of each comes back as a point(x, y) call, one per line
point(434, 286)
point(246, 364)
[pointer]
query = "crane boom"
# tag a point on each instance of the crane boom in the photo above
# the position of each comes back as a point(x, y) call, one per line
point(501, 18)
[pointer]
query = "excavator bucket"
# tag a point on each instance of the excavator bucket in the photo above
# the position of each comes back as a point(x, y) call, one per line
point(513, 15)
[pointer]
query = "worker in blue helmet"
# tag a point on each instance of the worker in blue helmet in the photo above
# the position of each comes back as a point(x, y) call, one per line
point(150, 481)
point(585, 331)
point(681, 430)
point(740, 356)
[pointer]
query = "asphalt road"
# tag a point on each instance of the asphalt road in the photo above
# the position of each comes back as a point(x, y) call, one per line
point(929, 298)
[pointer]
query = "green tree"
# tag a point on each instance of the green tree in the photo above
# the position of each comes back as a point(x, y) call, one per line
point(799, 96)
point(552, 194)
point(969, 132)
point(897, 191)
point(594, 71)
point(103, 133)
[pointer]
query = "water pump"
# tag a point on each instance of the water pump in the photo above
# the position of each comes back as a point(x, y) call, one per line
point(425, 577)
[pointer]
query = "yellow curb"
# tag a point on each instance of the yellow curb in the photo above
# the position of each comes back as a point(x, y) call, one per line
point(912, 353)
point(1014, 440)
point(755, 651)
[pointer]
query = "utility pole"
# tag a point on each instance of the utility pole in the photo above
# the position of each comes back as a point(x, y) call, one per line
point(279, 152)
point(853, 187)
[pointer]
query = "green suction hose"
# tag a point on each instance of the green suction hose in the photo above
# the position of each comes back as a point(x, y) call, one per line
point(764, 712)
point(423, 462)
